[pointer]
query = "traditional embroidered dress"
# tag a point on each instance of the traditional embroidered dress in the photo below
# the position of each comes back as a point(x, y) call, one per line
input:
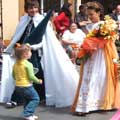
point(96, 89)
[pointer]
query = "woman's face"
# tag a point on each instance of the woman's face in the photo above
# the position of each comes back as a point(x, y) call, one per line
point(93, 15)
point(32, 11)
point(71, 8)
point(73, 27)
point(118, 10)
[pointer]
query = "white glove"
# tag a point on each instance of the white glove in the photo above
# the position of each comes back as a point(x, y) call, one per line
point(36, 46)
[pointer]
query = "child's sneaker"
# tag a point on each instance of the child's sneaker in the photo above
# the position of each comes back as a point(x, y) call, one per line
point(29, 118)
point(35, 117)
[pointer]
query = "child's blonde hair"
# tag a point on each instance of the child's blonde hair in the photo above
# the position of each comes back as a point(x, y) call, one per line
point(20, 49)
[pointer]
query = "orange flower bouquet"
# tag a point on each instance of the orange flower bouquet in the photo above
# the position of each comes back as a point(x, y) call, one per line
point(98, 37)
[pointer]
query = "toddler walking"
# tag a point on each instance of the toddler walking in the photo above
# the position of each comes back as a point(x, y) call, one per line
point(24, 76)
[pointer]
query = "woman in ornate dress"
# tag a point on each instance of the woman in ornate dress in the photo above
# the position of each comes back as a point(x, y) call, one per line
point(96, 89)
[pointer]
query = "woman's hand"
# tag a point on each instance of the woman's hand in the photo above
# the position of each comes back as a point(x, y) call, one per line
point(36, 46)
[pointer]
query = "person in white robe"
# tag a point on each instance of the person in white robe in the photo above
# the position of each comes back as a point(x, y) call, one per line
point(7, 82)
point(61, 77)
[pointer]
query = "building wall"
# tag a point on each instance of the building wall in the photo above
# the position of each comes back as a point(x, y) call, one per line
point(10, 17)
point(12, 10)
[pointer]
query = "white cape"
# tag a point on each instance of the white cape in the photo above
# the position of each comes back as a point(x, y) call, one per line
point(61, 76)
point(7, 81)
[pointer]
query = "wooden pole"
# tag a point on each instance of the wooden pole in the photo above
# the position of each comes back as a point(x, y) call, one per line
point(21, 8)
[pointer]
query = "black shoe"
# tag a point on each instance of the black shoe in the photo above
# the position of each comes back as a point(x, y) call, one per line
point(79, 114)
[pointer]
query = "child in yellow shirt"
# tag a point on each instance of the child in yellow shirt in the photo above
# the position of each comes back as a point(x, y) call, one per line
point(24, 77)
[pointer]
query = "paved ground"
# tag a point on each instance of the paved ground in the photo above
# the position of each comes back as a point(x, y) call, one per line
point(51, 113)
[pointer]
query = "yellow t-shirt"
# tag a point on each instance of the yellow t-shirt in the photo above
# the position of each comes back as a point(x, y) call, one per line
point(23, 73)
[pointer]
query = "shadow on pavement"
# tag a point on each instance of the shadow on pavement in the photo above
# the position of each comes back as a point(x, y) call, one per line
point(3, 117)
point(53, 109)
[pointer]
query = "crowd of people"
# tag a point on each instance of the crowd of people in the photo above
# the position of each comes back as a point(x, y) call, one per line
point(51, 61)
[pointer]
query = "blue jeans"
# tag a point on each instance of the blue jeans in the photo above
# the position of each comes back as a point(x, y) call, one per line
point(31, 99)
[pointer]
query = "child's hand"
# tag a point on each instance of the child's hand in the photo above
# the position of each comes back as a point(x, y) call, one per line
point(40, 81)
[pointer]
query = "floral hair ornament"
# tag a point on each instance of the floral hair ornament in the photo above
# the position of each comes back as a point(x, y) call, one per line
point(27, 44)
point(17, 45)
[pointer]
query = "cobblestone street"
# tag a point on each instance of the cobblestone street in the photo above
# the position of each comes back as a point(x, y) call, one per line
point(51, 113)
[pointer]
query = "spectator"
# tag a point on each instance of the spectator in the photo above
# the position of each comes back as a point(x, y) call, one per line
point(62, 21)
point(72, 39)
point(81, 18)
point(116, 17)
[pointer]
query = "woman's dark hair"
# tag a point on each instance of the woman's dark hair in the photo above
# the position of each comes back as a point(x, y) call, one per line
point(30, 4)
point(72, 22)
point(111, 7)
point(65, 9)
point(97, 7)
point(82, 6)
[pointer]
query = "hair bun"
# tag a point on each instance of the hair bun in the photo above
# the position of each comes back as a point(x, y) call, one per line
point(27, 44)
point(95, 4)
point(98, 7)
